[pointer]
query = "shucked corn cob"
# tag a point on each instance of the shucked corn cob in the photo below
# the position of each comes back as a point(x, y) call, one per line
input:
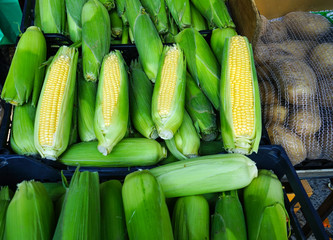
point(201, 62)
point(240, 99)
point(112, 103)
point(96, 37)
point(26, 73)
point(54, 111)
point(169, 92)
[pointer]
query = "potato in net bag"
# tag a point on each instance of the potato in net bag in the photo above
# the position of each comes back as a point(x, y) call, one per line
point(294, 62)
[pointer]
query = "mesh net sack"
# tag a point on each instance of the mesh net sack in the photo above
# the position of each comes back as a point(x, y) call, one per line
point(294, 62)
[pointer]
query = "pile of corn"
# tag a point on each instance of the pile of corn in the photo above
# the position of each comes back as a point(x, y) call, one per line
point(94, 109)
point(88, 209)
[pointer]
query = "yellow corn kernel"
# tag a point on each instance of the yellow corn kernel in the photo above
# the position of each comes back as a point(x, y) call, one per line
point(52, 100)
point(111, 87)
point(241, 88)
point(168, 82)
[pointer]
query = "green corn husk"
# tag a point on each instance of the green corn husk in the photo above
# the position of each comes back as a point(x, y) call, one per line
point(181, 12)
point(244, 143)
point(217, 40)
point(86, 108)
point(73, 136)
point(116, 24)
point(25, 77)
point(62, 131)
point(55, 190)
point(144, 32)
point(201, 110)
point(80, 213)
point(141, 92)
point(147, 215)
point(198, 21)
point(74, 10)
point(124, 35)
point(58, 204)
point(168, 123)
point(37, 21)
point(214, 173)
point(129, 152)
point(52, 16)
point(186, 139)
point(201, 63)
point(5, 197)
point(216, 13)
point(109, 135)
point(120, 5)
point(96, 37)
point(108, 4)
point(264, 208)
point(113, 224)
point(228, 222)
point(22, 132)
point(157, 12)
point(190, 218)
point(173, 30)
point(30, 213)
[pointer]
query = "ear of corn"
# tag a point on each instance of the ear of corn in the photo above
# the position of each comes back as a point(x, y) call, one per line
point(169, 92)
point(181, 12)
point(74, 10)
point(120, 5)
point(80, 213)
point(5, 197)
point(214, 173)
point(144, 32)
point(190, 218)
point(201, 63)
point(157, 12)
point(147, 215)
point(116, 24)
point(25, 76)
point(198, 21)
point(108, 4)
point(52, 16)
point(264, 207)
point(22, 131)
point(30, 213)
point(112, 103)
point(240, 99)
point(217, 40)
point(86, 108)
point(129, 152)
point(228, 221)
point(201, 110)
point(141, 91)
point(96, 37)
point(113, 224)
point(186, 138)
point(54, 111)
point(215, 11)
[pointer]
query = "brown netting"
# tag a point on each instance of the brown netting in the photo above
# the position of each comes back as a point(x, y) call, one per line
point(294, 61)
